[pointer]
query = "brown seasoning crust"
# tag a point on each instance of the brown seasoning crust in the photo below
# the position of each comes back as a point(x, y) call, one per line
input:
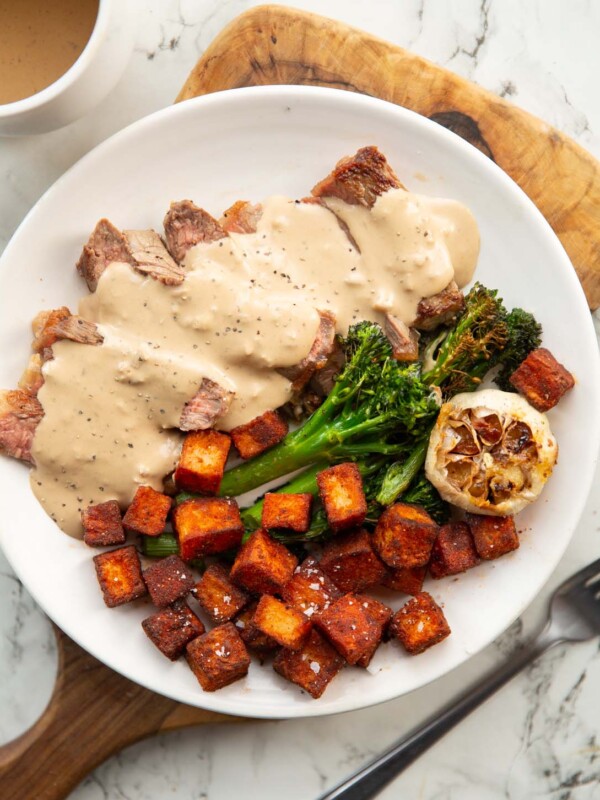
point(281, 622)
point(419, 624)
point(263, 565)
point(408, 580)
point(202, 461)
point(404, 536)
point(313, 667)
point(207, 525)
point(493, 536)
point(350, 626)
point(172, 628)
point(218, 658)
point(286, 511)
point(220, 598)
point(542, 380)
point(341, 491)
point(351, 563)
point(148, 512)
point(102, 524)
point(310, 590)
point(259, 434)
point(119, 574)
point(168, 580)
point(453, 551)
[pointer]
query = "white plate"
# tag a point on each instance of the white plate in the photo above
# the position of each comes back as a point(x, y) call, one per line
point(247, 144)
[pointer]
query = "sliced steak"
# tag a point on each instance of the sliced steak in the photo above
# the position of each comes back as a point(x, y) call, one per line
point(323, 379)
point(404, 340)
point(209, 403)
point(359, 179)
point(20, 414)
point(105, 245)
point(151, 257)
point(187, 225)
point(50, 326)
point(320, 351)
point(241, 217)
point(440, 308)
point(32, 378)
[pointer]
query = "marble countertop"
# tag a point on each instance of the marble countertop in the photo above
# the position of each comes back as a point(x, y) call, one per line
point(538, 738)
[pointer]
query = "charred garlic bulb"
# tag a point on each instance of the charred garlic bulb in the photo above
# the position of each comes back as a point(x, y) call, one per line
point(490, 452)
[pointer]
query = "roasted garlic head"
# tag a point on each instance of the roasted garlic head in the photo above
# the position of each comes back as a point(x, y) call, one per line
point(490, 452)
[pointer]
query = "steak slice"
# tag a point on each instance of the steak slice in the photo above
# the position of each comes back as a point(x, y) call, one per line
point(151, 257)
point(209, 403)
point(50, 326)
point(404, 340)
point(20, 414)
point(439, 308)
point(318, 355)
point(187, 225)
point(105, 245)
point(359, 179)
point(241, 217)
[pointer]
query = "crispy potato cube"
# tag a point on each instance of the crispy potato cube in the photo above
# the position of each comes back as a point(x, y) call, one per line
point(168, 580)
point(542, 380)
point(453, 551)
point(102, 524)
point(341, 491)
point(218, 596)
point(313, 667)
point(419, 624)
point(259, 434)
point(250, 634)
point(120, 576)
point(148, 512)
point(218, 658)
point(493, 536)
point(207, 525)
point(351, 563)
point(381, 615)
point(202, 461)
point(286, 625)
point(172, 628)
point(404, 536)
point(350, 626)
point(263, 565)
point(408, 580)
point(310, 590)
point(289, 511)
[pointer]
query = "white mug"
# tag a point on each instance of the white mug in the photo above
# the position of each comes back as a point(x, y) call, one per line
point(85, 83)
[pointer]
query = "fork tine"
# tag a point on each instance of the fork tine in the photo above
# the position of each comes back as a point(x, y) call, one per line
point(585, 575)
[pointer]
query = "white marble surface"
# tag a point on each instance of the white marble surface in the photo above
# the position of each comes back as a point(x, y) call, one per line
point(540, 738)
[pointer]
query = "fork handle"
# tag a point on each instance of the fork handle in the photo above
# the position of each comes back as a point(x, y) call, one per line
point(373, 777)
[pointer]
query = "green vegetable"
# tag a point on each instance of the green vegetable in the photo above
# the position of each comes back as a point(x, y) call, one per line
point(423, 493)
point(376, 406)
point(166, 544)
point(401, 474)
point(524, 335)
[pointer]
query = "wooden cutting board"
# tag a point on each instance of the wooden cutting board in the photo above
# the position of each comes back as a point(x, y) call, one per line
point(95, 712)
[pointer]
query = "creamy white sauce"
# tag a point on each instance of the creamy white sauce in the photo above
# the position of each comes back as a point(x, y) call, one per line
point(248, 304)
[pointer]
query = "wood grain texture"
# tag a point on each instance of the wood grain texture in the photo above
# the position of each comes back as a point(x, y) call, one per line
point(276, 45)
point(93, 714)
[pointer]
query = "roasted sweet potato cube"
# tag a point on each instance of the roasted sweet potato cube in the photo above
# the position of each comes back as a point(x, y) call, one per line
point(408, 580)
point(313, 667)
point(288, 511)
point(102, 524)
point(120, 576)
point(168, 580)
point(350, 626)
point(283, 623)
point(453, 551)
point(148, 512)
point(263, 565)
point(342, 494)
point(542, 380)
point(218, 658)
point(202, 461)
point(351, 562)
point(381, 615)
point(310, 590)
point(207, 525)
point(251, 636)
point(218, 595)
point(172, 628)
point(493, 536)
point(419, 624)
point(259, 434)
point(404, 536)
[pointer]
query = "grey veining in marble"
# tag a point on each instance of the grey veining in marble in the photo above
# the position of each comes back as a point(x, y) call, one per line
point(539, 738)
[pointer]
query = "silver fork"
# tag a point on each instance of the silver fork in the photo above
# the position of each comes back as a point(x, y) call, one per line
point(573, 616)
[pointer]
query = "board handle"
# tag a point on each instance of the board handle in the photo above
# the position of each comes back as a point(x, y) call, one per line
point(278, 45)
point(92, 714)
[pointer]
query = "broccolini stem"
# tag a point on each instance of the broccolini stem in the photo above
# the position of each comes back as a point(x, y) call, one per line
point(399, 476)
point(160, 546)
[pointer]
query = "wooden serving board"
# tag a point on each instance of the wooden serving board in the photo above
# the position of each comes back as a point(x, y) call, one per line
point(94, 712)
